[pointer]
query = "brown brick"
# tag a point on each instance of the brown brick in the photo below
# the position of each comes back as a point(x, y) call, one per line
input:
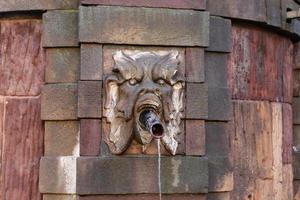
point(60, 28)
point(287, 117)
point(143, 26)
point(60, 197)
point(61, 138)
point(216, 69)
point(90, 137)
point(58, 175)
point(218, 196)
point(62, 65)
point(296, 110)
point(219, 104)
point(25, 5)
point(184, 4)
point(196, 101)
point(220, 174)
point(22, 57)
point(145, 197)
point(195, 137)
point(59, 102)
point(194, 70)
point(89, 99)
point(128, 175)
point(219, 35)
point(91, 62)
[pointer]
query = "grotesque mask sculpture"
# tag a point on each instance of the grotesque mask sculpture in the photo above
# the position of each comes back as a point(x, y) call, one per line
point(141, 86)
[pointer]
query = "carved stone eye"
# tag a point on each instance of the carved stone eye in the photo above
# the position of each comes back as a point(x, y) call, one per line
point(132, 81)
point(161, 81)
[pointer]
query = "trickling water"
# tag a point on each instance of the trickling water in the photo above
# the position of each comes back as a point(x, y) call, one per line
point(159, 177)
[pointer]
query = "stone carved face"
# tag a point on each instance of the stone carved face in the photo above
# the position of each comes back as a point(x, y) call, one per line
point(142, 80)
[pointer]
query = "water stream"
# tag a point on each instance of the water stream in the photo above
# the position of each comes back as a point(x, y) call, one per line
point(159, 171)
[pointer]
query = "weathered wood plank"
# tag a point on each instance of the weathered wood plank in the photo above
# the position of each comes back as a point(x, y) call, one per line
point(22, 58)
point(22, 148)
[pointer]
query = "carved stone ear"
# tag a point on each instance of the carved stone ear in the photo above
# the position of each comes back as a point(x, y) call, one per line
point(120, 132)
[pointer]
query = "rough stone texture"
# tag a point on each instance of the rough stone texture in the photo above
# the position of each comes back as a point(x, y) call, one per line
point(60, 197)
point(196, 101)
point(296, 110)
point(25, 5)
point(61, 138)
point(146, 197)
point(220, 174)
point(217, 139)
point(274, 12)
point(296, 165)
point(183, 4)
point(59, 102)
point(195, 137)
point(257, 63)
point(194, 60)
point(58, 175)
point(219, 35)
point(129, 175)
point(287, 115)
point(89, 99)
point(219, 104)
point(216, 69)
point(297, 55)
point(91, 62)
point(143, 26)
point(218, 196)
point(90, 137)
point(22, 57)
point(21, 148)
point(251, 10)
point(60, 28)
point(296, 83)
point(296, 136)
point(62, 65)
point(287, 182)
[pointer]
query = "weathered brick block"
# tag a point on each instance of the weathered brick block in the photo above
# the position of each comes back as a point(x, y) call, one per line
point(219, 35)
point(62, 65)
point(194, 70)
point(287, 125)
point(196, 101)
point(89, 99)
point(60, 28)
point(61, 138)
point(60, 197)
point(220, 174)
point(218, 196)
point(143, 26)
point(145, 197)
point(184, 4)
point(90, 137)
point(59, 102)
point(219, 104)
point(296, 110)
point(134, 175)
point(58, 175)
point(25, 5)
point(194, 137)
point(216, 69)
point(91, 62)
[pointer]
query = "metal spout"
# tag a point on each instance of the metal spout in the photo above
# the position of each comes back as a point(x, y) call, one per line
point(151, 123)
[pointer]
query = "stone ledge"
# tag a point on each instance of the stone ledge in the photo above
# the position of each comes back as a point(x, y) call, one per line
point(143, 26)
point(136, 175)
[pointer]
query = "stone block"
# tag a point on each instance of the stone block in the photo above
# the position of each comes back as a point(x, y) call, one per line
point(60, 197)
point(62, 65)
point(217, 138)
point(91, 62)
point(219, 35)
point(287, 125)
point(296, 110)
point(274, 12)
point(196, 101)
point(296, 165)
point(26, 5)
point(216, 69)
point(58, 175)
point(135, 175)
point(145, 197)
point(297, 55)
point(296, 82)
point(59, 102)
point(296, 136)
point(195, 137)
point(90, 137)
point(220, 174)
point(143, 26)
point(219, 104)
point(61, 138)
point(218, 196)
point(194, 70)
point(60, 28)
point(182, 4)
point(89, 99)
point(23, 59)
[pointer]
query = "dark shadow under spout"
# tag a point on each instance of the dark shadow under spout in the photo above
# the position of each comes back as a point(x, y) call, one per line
point(151, 123)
